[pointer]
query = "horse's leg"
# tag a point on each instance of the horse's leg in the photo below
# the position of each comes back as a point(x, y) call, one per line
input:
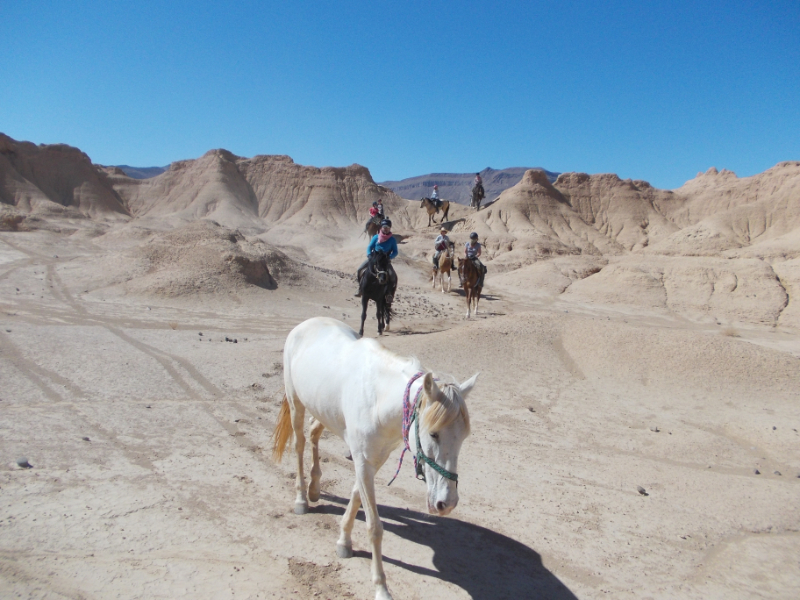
point(344, 545)
point(298, 415)
point(469, 300)
point(365, 477)
point(316, 470)
point(364, 303)
point(379, 313)
point(477, 298)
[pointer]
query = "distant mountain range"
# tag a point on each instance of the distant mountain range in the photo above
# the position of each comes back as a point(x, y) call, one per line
point(458, 186)
point(141, 172)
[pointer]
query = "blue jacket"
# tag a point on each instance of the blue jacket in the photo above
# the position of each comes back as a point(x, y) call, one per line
point(389, 246)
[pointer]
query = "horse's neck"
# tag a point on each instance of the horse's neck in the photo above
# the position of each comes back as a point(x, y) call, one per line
point(390, 403)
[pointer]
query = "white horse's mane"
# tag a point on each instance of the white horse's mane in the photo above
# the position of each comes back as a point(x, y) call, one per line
point(450, 407)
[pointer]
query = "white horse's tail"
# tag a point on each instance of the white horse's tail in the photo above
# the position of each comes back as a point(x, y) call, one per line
point(283, 431)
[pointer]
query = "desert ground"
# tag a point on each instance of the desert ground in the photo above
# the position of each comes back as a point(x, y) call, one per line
point(634, 425)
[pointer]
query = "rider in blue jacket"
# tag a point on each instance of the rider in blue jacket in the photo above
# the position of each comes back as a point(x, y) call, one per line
point(386, 242)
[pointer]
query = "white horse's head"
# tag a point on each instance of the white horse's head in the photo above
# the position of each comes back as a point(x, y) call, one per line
point(443, 426)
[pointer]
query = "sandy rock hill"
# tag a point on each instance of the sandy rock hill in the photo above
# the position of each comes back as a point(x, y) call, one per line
point(258, 192)
point(56, 179)
point(759, 215)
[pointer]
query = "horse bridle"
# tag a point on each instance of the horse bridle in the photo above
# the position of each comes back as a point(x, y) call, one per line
point(412, 415)
point(377, 273)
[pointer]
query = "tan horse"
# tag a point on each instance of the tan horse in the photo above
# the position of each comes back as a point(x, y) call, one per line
point(469, 276)
point(428, 205)
point(445, 266)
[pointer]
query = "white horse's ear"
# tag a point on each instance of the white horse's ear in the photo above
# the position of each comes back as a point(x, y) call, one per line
point(468, 385)
point(431, 389)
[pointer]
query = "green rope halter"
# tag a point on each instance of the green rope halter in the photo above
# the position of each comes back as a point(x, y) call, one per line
point(421, 455)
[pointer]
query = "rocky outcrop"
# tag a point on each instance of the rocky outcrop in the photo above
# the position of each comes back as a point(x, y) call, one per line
point(56, 179)
point(256, 192)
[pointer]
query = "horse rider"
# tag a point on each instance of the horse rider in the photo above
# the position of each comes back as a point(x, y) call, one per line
point(386, 242)
point(472, 250)
point(478, 183)
point(375, 215)
point(379, 206)
point(440, 244)
point(435, 197)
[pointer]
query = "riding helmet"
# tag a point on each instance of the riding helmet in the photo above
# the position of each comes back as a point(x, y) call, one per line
point(386, 223)
point(473, 236)
point(374, 204)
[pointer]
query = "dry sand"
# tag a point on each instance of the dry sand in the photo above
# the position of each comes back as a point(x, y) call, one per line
point(604, 368)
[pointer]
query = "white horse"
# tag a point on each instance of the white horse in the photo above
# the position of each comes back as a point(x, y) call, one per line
point(366, 395)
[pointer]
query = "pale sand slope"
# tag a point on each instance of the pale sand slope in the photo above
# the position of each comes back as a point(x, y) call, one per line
point(583, 396)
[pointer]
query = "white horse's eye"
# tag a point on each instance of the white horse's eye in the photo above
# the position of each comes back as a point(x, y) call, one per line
point(435, 436)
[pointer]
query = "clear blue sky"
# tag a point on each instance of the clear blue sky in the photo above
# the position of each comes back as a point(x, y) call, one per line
point(648, 90)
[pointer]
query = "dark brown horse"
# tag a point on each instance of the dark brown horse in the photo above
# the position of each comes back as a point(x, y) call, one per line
point(372, 227)
point(428, 205)
point(470, 276)
point(477, 196)
point(378, 283)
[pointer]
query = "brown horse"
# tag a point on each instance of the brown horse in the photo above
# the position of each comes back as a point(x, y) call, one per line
point(372, 227)
point(428, 205)
point(469, 276)
point(477, 196)
point(445, 266)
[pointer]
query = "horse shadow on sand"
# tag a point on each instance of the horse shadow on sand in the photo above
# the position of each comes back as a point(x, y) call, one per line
point(485, 564)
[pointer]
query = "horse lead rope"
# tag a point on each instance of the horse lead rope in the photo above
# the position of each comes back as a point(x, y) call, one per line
point(409, 415)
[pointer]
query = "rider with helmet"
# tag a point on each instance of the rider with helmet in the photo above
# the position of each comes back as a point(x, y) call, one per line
point(385, 242)
point(472, 250)
point(440, 244)
point(373, 211)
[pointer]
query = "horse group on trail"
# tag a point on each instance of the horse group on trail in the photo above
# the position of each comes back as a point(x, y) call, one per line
point(374, 400)
point(377, 279)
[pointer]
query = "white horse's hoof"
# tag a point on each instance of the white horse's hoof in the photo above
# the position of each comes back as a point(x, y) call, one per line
point(383, 594)
point(343, 551)
point(300, 508)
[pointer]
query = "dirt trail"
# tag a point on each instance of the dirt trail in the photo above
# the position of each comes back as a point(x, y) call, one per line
point(147, 420)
